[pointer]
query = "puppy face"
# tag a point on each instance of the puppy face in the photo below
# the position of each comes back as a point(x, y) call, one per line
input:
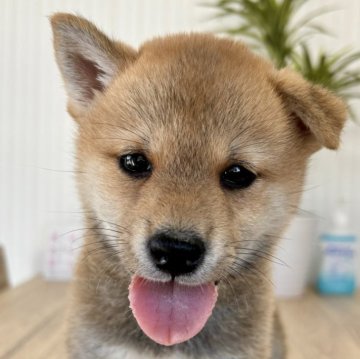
point(191, 138)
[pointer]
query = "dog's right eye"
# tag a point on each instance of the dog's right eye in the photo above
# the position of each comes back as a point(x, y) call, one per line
point(237, 177)
point(136, 165)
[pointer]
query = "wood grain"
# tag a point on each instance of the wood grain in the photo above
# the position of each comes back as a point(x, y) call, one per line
point(322, 327)
point(32, 324)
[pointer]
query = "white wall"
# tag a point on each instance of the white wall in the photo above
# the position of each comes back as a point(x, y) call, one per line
point(36, 134)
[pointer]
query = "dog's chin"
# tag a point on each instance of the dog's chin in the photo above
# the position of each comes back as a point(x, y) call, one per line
point(170, 312)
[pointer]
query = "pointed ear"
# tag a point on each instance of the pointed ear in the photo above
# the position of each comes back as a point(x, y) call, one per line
point(88, 60)
point(320, 113)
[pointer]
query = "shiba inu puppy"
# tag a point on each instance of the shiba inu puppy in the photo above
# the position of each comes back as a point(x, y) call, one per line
point(191, 156)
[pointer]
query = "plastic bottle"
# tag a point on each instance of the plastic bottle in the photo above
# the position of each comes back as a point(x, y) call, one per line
point(337, 271)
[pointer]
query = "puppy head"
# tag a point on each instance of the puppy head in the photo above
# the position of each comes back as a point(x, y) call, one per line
point(191, 144)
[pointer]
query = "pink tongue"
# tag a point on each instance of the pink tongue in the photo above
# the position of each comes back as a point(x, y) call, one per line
point(171, 313)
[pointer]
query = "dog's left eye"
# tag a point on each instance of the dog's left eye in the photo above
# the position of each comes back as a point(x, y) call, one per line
point(135, 165)
point(237, 177)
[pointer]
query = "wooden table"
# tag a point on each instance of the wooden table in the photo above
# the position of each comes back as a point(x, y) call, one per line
point(32, 324)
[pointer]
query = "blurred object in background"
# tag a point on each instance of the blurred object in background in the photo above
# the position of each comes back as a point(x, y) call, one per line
point(63, 243)
point(294, 253)
point(337, 270)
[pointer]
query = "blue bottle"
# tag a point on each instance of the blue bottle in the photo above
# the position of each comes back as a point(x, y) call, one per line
point(337, 271)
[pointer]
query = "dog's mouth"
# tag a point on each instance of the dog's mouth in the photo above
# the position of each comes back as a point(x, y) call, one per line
point(171, 313)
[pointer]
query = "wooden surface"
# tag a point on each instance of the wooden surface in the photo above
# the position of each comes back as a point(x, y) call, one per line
point(32, 324)
point(31, 321)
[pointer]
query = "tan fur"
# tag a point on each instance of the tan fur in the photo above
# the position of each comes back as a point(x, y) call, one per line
point(193, 104)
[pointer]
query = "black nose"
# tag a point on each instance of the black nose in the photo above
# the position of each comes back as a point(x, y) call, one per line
point(176, 252)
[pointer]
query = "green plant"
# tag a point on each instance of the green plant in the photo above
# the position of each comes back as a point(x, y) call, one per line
point(269, 26)
point(331, 70)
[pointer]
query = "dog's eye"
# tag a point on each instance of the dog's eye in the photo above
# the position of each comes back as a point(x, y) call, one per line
point(237, 177)
point(135, 165)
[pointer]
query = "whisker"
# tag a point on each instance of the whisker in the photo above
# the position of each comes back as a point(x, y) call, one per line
point(109, 238)
point(235, 272)
point(259, 272)
point(100, 243)
point(90, 228)
point(306, 212)
point(253, 252)
point(279, 262)
point(113, 266)
point(69, 212)
point(233, 291)
point(61, 171)
point(99, 250)
point(111, 223)
point(304, 190)
point(251, 267)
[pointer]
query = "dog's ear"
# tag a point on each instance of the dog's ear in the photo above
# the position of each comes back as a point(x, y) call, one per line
point(320, 114)
point(88, 59)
